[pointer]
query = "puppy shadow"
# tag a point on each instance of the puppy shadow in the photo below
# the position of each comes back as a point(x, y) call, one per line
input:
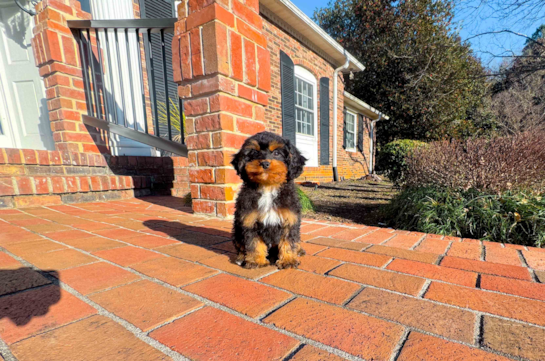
point(206, 237)
point(212, 239)
point(26, 294)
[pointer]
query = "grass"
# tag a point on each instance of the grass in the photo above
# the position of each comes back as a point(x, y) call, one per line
point(306, 203)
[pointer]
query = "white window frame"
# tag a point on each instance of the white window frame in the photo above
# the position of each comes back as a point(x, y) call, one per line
point(309, 142)
point(355, 115)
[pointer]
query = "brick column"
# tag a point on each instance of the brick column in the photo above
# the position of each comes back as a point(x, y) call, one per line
point(222, 66)
point(57, 57)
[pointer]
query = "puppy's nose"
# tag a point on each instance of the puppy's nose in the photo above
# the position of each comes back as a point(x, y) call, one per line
point(265, 164)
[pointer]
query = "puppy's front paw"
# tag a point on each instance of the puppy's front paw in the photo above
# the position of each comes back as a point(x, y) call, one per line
point(288, 263)
point(240, 259)
point(253, 264)
point(301, 252)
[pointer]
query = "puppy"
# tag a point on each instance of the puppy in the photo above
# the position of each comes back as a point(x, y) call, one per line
point(268, 212)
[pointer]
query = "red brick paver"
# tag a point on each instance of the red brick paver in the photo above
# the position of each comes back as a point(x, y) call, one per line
point(217, 335)
point(312, 285)
point(145, 304)
point(28, 313)
point(487, 267)
point(379, 278)
point(94, 339)
point(360, 335)
point(404, 253)
point(434, 272)
point(494, 303)
point(368, 259)
point(429, 348)
point(166, 286)
point(247, 297)
point(514, 338)
point(309, 353)
point(446, 321)
point(96, 277)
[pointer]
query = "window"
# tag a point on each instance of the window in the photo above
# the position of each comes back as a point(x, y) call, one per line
point(306, 114)
point(350, 132)
point(304, 107)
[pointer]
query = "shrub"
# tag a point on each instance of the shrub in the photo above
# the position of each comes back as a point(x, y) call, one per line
point(509, 217)
point(175, 123)
point(391, 160)
point(492, 165)
point(306, 203)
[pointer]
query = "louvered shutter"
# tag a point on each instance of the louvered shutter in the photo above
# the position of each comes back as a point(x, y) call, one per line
point(161, 9)
point(344, 128)
point(360, 132)
point(324, 121)
point(287, 78)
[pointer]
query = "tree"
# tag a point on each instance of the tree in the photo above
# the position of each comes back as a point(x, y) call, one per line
point(511, 17)
point(518, 98)
point(417, 70)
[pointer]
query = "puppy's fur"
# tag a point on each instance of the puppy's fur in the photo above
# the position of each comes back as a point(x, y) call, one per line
point(268, 211)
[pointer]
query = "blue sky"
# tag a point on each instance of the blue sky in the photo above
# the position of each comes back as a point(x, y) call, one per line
point(473, 19)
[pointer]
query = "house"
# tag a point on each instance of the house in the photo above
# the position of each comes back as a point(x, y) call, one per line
point(91, 92)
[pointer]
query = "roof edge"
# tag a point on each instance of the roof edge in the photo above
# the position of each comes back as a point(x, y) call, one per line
point(321, 32)
point(363, 106)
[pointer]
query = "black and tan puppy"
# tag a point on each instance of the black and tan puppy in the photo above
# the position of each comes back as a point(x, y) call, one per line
point(268, 211)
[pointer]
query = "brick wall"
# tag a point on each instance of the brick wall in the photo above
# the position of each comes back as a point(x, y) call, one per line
point(77, 171)
point(57, 58)
point(39, 177)
point(221, 63)
point(349, 164)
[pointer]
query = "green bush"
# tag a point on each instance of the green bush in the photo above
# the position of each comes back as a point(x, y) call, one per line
point(176, 125)
point(306, 203)
point(509, 217)
point(391, 160)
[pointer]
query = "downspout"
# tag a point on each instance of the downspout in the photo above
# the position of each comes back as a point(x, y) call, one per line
point(335, 131)
point(372, 145)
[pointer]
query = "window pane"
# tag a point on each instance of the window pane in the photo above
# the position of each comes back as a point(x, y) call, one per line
point(304, 112)
point(350, 131)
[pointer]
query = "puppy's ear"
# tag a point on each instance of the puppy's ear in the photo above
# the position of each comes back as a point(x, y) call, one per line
point(296, 161)
point(239, 160)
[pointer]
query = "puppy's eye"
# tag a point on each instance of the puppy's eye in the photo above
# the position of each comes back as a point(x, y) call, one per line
point(276, 152)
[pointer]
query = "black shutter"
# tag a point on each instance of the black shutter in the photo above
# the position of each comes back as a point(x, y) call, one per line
point(161, 9)
point(344, 128)
point(360, 132)
point(287, 78)
point(324, 121)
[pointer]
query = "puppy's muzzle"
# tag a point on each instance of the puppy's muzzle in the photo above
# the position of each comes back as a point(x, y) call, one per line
point(265, 164)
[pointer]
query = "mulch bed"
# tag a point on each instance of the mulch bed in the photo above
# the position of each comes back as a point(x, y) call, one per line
point(351, 201)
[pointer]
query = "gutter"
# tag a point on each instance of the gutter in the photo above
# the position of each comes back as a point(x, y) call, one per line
point(335, 100)
point(372, 145)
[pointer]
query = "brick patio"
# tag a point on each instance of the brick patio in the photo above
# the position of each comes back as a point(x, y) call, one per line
point(144, 279)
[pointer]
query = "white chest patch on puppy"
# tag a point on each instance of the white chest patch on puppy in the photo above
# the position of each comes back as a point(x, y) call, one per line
point(267, 211)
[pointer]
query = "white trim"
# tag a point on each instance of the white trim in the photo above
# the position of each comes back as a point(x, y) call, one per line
point(362, 106)
point(355, 114)
point(6, 134)
point(285, 14)
point(310, 141)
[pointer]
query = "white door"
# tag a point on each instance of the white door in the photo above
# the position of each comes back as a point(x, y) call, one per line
point(122, 9)
point(306, 136)
point(24, 118)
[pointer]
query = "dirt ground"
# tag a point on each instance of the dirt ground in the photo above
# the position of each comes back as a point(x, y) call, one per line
point(351, 201)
